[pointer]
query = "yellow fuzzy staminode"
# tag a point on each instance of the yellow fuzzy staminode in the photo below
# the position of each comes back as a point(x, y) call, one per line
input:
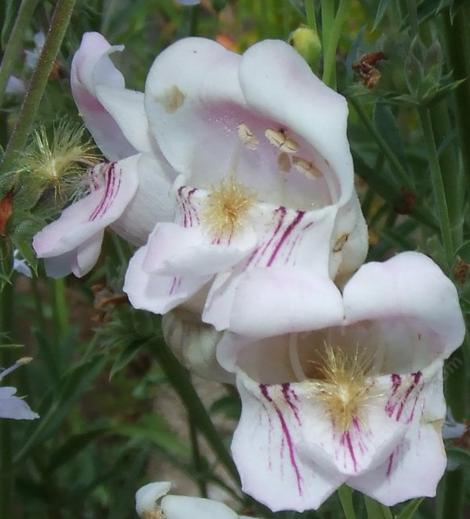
point(58, 160)
point(344, 387)
point(227, 208)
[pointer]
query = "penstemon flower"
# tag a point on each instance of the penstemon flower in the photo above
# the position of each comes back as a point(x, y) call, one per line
point(265, 200)
point(12, 406)
point(358, 399)
point(130, 193)
point(152, 502)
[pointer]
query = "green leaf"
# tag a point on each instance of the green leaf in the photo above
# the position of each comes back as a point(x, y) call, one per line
point(387, 126)
point(10, 9)
point(376, 510)
point(460, 455)
point(381, 9)
point(464, 251)
point(410, 509)
point(125, 356)
point(73, 446)
point(156, 430)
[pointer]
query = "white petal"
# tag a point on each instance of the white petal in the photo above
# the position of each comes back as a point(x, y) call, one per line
point(182, 507)
point(410, 306)
point(146, 497)
point(270, 431)
point(14, 407)
point(157, 293)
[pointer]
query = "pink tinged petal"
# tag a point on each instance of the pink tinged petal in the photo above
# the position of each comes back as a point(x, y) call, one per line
point(153, 202)
point(182, 507)
point(14, 407)
point(127, 108)
point(158, 293)
point(410, 305)
point(75, 237)
point(272, 301)
point(91, 66)
point(270, 431)
point(181, 80)
point(276, 81)
point(416, 465)
point(173, 250)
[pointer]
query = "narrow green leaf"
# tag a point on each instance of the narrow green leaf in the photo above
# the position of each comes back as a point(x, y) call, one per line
point(73, 446)
point(381, 9)
point(410, 509)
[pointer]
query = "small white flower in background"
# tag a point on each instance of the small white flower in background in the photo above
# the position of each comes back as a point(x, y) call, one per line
point(12, 406)
point(152, 502)
point(32, 56)
point(15, 86)
point(189, 2)
point(20, 265)
point(358, 399)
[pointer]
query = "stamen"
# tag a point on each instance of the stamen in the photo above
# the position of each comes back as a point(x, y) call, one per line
point(306, 167)
point(227, 208)
point(154, 514)
point(279, 139)
point(16, 365)
point(247, 137)
point(340, 243)
point(344, 388)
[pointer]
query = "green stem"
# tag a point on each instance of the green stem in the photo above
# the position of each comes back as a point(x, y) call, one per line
point(438, 186)
point(454, 494)
point(404, 178)
point(413, 14)
point(197, 459)
point(345, 497)
point(6, 456)
point(327, 20)
point(329, 62)
point(458, 48)
point(13, 46)
point(59, 314)
point(311, 16)
point(59, 24)
point(179, 378)
point(452, 177)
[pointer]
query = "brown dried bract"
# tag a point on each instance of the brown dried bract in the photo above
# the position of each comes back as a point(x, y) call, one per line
point(461, 271)
point(6, 210)
point(367, 70)
point(105, 301)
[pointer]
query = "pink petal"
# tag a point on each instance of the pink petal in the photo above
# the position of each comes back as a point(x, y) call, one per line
point(271, 301)
point(76, 235)
point(417, 464)
point(175, 250)
point(410, 306)
point(267, 448)
point(91, 67)
point(158, 293)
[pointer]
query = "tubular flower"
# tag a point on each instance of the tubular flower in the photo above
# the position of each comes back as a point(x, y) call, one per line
point(131, 192)
point(358, 399)
point(152, 502)
point(266, 186)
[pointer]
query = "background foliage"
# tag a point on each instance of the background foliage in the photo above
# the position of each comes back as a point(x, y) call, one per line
point(101, 369)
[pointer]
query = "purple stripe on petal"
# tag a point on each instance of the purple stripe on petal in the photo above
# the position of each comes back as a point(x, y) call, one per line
point(286, 436)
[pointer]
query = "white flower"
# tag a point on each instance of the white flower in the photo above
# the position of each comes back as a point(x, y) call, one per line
point(12, 406)
point(266, 188)
point(357, 399)
point(152, 502)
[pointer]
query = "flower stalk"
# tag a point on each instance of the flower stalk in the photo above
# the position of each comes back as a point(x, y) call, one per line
point(438, 186)
point(58, 27)
point(13, 46)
